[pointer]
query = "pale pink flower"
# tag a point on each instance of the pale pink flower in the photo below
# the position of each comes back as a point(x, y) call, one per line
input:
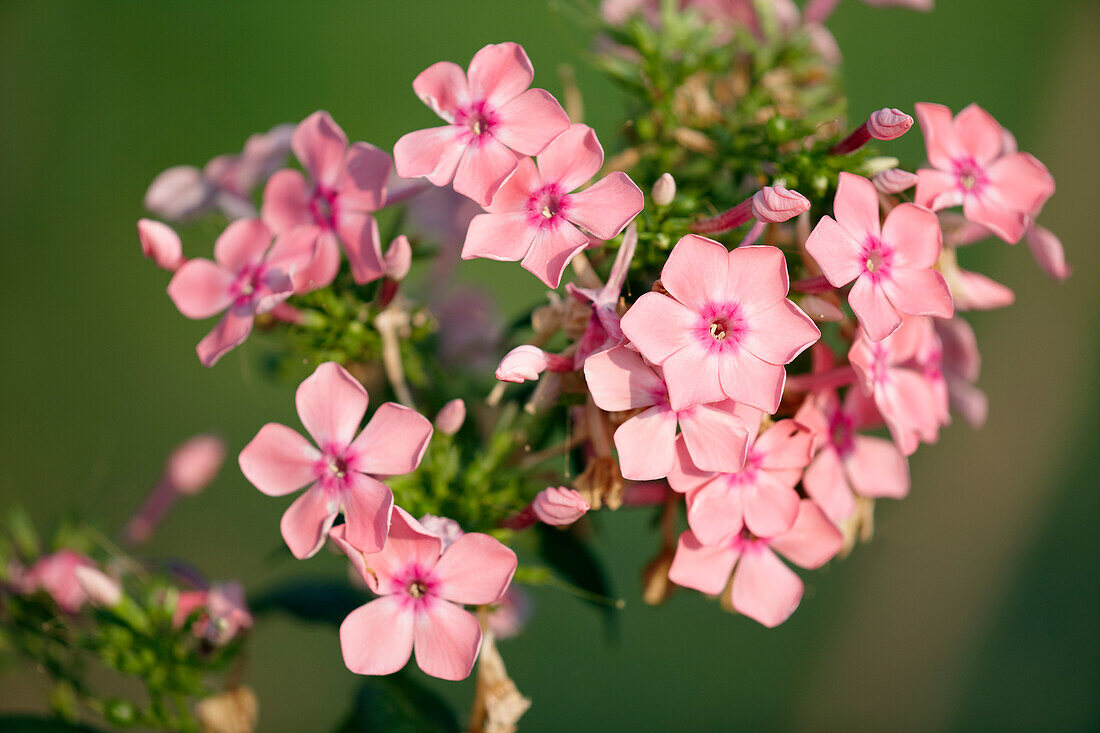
point(101, 589)
point(421, 591)
point(894, 180)
point(1047, 250)
point(345, 472)
point(760, 497)
point(492, 119)
point(726, 329)
point(225, 612)
point(161, 244)
point(559, 506)
point(527, 362)
point(345, 185)
point(604, 330)
point(248, 276)
point(536, 219)
point(961, 366)
point(716, 434)
point(56, 575)
point(763, 588)
point(883, 124)
point(970, 166)
point(891, 263)
point(889, 373)
point(451, 416)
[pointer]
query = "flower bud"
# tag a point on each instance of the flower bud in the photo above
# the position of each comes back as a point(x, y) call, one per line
point(445, 528)
point(888, 123)
point(161, 244)
point(195, 463)
point(664, 190)
point(449, 420)
point(894, 180)
point(1047, 250)
point(398, 258)
point(776, 204)
point(179, 193)
point(559, 506)
point(528, 362)
point(102, 590)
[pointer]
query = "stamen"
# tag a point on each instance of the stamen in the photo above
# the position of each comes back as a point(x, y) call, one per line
point(717, 331)
point(417, 589)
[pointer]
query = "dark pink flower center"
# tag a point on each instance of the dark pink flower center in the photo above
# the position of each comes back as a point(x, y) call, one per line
point(971, 177)
point(546, 207)
point(746, 476)
point(723, 326)
point(877, 258)
point(841, 432)
point(478, 119)
point(415, 584)
point(249, 285)
point(322, 206)
point(880, 364)
point(333, 468)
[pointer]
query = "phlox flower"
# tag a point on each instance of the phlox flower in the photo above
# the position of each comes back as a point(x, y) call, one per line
point(763, 587)
point(225, 612)
point(248, 276)
point(972, 290)
point(421, 590)
point(961, 366)
point(345, 471)
point(536, 218)
point(891, 263)
point(760, 497)
point(161, 244)
point(725, 329)
point(492, 120)
point(345, 185)
point(715, 434)
point(56, 575)
point(603, 329)
point(997, 188)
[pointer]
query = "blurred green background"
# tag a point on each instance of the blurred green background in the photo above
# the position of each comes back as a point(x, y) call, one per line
point(976, 606)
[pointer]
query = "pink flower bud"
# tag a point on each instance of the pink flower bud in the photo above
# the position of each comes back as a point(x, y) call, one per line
point(888, 123)
point(195, 463)
point(776, 204)
point(894, 180)
point(664, 190)
point(445, 528)
point(161, 244)
point(56, 575)
point(559, 506)
point(102, 590)
point(179, 193)
point(449, 419)
point(398, 258)
point(1047, 250)
point(528, 362)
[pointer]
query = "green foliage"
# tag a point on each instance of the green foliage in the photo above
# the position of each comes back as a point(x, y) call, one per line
point(398, 704)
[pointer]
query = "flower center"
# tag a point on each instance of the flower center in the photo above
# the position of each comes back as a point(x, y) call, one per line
point(876, 257)
point(478, 120)
point(323, 208)
point(546, 206)
point(970, 176)
point(338, 466)
point(724, 325)
point(417, 588)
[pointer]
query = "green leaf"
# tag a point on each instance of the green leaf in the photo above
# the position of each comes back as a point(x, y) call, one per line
point(31, 724)
point(317, 600)
point(398, 704)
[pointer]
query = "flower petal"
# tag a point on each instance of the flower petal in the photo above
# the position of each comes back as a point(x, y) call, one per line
point(433, 154)
point(693, 376)
point(836, 251)
point(529, 122)
point(915, 235)
point(659, 326)
point(286, 201)
point(306, 522)
point(705, 568)
point(716, 438)
point(551, 252)
point(877, 468)
point(571, 159)
point(826, 483)
point(499, 72)
point(362, 185)
point(1021, 182)
point(940, 140)
point(231, 332)
point(812, 541)
point(442, 86)
point(919, 293)
point(770, 506)
point(359, 234)
point(320, 145)
point(392, 443)
point(367, 506)
point(747, 378)
point(937, 189)
point(446, 639)
point(482, 169)
point(377, 638)
point(780, 333)
point(757, 277)
point(278, 460)
point(646, 444)
point(331, 404)
point(856, 206)
point(875, 312)
point(505, 237)
point(1007, 223)
point(716, 512)
point(409, 544)
point(696, 272)
point(764, 589)
point(606, 207)
point(200, 288)
point(979, 134)
point(475, 569)
point(619, 379)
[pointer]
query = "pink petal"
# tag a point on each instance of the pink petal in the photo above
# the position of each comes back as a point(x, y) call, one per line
point(506, 237)
point(475, 569)
point(529, 122)
point(812, 541)
point(278, 460)
point(696, 272)
point(784, 446)
point(499, 72)
point(836, 251)
point(326, 260)
point(331, 404)
point(320, 145)
point(940, 140)
point(919, 292)
point(757, 277)
point(705, 568)
point(606, 207)
point(293, 252)
point(770, 506)
point(1047, 250)
point(1008, 224)
point(646, 444)
point(231, 332)
point(286, 201)
point(914, 233)
point(979, 134)
point(433, 154)
point(160, 243)
point(764, 589)
point(447, 640)
point(409, 545)
point(715, 512)
point(1020, 182)
point(514, 195)
point(482, 169)
point(875, 312)
point(551, 252)
point(659, 326)
point(937, 189)
point(619, 379)
point(747, 378)
point(306, 523)
point(877, 468)
point(908, 406)
point(856, 206)
point(826, 483)
point(780, 333)
point(969, 401)
point(393, 442)
point(378, 638)
point(368, 506)
point(362, 185)
point(359, 234)
point(716, 438)
point(571, 159)
point(442, 86)
point(179, 192)
point(200, 288)
point(685, 475)
point(693, 377)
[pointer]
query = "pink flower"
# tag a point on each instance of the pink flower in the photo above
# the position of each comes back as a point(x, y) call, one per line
point(450, 417)
point(226, 612)
point(56, 575)
point(492, 119)
point(764, 589)
point(345, 472)
point(101, 589)
point(972, 290)
point(510, 615)
point(421, 591)
point(890, 374)
point(535, 218)
point(725, 330)
point(604, 330)
point(970, 166)
point(961, 366)
point(161, 244)
point(248, 276)
point(846, 463)
point(1047, 250)
point(716, 434)
point(445, 528)
point(527, 362)
point(335, 204)
point(891, 265)
point(559, 506)
point(760, 497)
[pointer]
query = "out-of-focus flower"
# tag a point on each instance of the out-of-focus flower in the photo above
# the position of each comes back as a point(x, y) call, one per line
point(445, 528)
point(962, 364)
point(421, 589)
point(511, 613)
point(972, 291)
point(535, 218)
point(603, 329)
point(398, 258)
point(1047, 250)
point(56, 575)
point(450, 418)
point(492, 119)
point(226, 612)
point(726, 329)
point(248, 276)
point(345, 185)
point(101, 589)
point(161, 244)
point(345, 471)
point(763, 588)
point(890, 263)
point(559, 506)
point(996, 189)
